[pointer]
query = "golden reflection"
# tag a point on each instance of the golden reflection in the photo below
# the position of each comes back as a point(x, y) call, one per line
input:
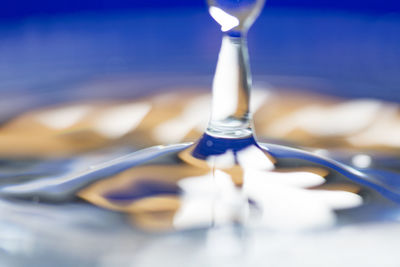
point(315, 170)
point(218, 190)
point(165, 175)
point(305, 120)
point(155, 221)
point(352, 188)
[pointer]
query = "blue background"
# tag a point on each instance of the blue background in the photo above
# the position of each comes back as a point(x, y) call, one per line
point(53, 49)
point(23, 8)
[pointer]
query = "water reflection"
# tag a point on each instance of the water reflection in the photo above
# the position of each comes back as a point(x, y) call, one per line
point(233, 181)
point(210, 183)
point(308, 121)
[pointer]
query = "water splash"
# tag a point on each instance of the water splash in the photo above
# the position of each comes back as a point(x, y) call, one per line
point(223, 181)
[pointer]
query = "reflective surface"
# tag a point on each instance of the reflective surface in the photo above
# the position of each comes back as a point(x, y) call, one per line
point(225, 177)
point(308, 120)
point(210, 193)
point(60, 229)
point(221, 182)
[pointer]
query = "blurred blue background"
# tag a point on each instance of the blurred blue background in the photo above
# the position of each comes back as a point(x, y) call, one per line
point(20, 8)
point(348, 48)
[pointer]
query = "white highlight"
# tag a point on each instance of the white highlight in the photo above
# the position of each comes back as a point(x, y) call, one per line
point(118, 121)
point(227, 21)
point(283, 199)
point(224, 81)
point(338, 199)
point(63, 118)
point(384, 132)
point(209, 200)
point(195, 115)
point(260, 180)
point(223, 161)
point(287, 205)
point(254, 158)
point(361, 161)
point(344, 119)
